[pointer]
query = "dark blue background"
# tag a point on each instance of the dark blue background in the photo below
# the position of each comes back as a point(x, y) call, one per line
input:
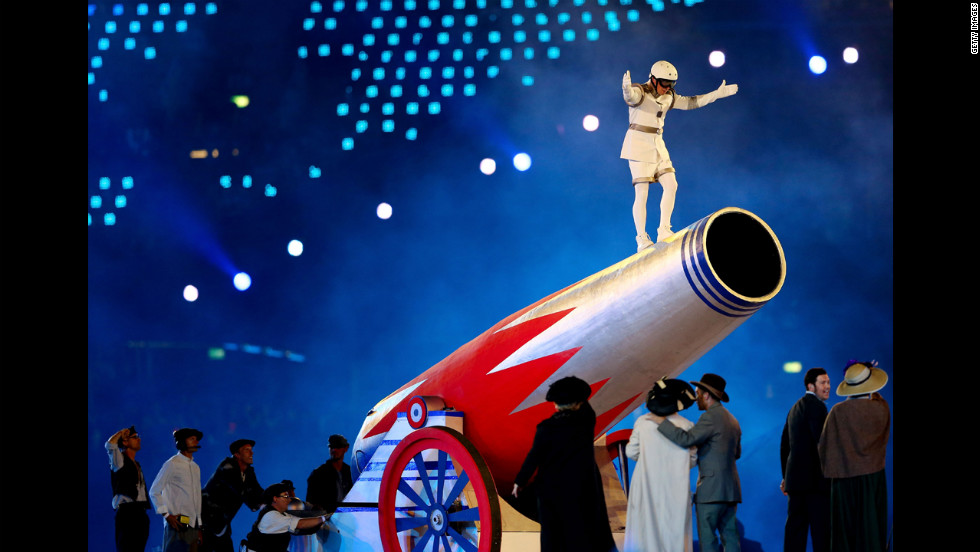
point(373, 302)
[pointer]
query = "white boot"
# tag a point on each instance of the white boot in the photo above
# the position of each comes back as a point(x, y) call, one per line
point(643, 241)
point(663, 233)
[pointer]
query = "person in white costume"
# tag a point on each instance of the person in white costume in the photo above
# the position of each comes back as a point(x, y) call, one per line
point(644, 147)
point(658, 510)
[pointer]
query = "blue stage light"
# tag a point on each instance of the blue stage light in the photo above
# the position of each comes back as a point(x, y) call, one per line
point(401, 22)
point(411, 134)
point(110, 27)
point(364, 107)
point(294, 248)
point(225, 181)
point(270, 190)
point(396, 91)
point(343, 109)
point(190, 294)
point(246, 181)
point(469, 89)
point(387, 125)
point(425, 73)
point(330, 23)
point(302, 52)
point(157, 26)
point(447, 90)
point(242, 281)
point(377, 22)
point(528, 53)
point(520, 36)
point(127, 183)
point(522, 162)
point(117, 10)
point(323, 50)
point(165, 8)
point(592, 34)
point(95, 202)
point(347, 144)
point(493, 71)
point(315, 172)
point(527, 80)
point(134, 26)
point(434, 108)
point(104, 183)
point(448, 72)
point(506, 54)
point(190, 8)
point(142, 9)
point(210, 8)
point(129, 43)
point(412, 108)
point(544, 36)
point(109, 219)
point(120, 201)
point(553, 52)
point(817, 65)
point(181, 26)
point(361, 126)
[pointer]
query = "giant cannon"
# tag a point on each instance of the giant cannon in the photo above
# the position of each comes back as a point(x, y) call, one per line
point(432, 456)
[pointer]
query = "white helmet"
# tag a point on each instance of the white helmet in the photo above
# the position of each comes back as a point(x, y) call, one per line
point(663, 70)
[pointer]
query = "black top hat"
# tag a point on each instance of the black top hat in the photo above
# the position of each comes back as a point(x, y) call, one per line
point(714, 385)
point(568, 390)
point(239, 444)
point(337, 441)
point(669, 396)
point(288, 484)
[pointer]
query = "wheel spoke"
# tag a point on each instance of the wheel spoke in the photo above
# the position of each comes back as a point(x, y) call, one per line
point(462, 541)
point(420, 545)
point(442, 477)
point(458, 488)
point(468, 514)
point(406, 523)
point(408, 491)
point(424, 475)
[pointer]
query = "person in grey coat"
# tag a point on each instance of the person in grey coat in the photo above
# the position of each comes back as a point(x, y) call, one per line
point(719, 440)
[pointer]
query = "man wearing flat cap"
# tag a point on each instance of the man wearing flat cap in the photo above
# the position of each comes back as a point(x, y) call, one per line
point(329, 483)
point(658, 512)
point(571, 504)
point(232, 484)
point(718, 437)
point(274, 527)
point(129, 494)
point(852, 451)
point(176, 494)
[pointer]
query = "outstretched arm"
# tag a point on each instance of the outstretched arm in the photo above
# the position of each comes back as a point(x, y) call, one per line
point(694, 102)
point(631, 94)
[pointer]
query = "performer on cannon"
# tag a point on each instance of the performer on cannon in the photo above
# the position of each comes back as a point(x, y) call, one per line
point(644, 146)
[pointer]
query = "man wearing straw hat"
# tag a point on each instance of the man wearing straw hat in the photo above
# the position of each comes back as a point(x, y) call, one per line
point(718, 437)
point(852, 454)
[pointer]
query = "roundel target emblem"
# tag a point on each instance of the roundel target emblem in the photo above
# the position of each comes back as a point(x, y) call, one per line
point(418, 412)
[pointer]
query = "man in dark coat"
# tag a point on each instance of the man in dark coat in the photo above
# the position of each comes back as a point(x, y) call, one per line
point(571, 504)
point(803, 481)
point(232, 484)
point(328, 484)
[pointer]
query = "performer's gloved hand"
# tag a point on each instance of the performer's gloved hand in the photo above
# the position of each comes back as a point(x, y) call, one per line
point(727, 90)
point(627, 85)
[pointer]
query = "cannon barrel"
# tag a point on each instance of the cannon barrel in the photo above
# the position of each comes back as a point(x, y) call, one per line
point(650, 315)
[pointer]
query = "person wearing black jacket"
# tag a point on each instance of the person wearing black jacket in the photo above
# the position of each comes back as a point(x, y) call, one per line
point(571, 503)
point(232, 484)
point(803, 482)
point(129, 496)
point(328, 484)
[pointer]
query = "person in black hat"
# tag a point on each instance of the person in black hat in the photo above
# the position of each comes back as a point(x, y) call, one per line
point(718, 437)
point(232, 484)
point(273, 527)
point(658, 511)
point(571, 504)
point(176, 493)
point(329, 483)
point(129, 496)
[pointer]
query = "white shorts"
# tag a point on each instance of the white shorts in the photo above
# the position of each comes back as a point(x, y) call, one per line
point(649, 172)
